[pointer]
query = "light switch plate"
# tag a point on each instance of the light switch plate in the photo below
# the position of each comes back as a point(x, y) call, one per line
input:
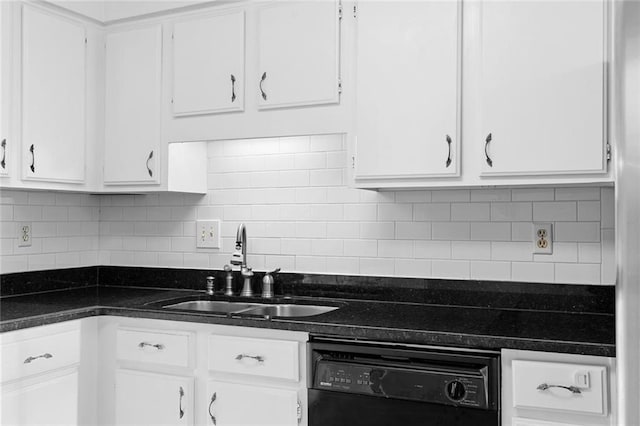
point(208, 233)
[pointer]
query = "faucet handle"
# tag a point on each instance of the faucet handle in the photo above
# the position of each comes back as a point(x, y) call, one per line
point(246, 272)
point(227, 269)
point(273, 272)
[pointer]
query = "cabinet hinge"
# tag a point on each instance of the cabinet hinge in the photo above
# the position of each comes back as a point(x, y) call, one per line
point(353, 162)
point(355, 11)
point(608, 151)
point(299, 412)
point(340, 10)
point(171, 36)
point(85, 40)
point(339, 86)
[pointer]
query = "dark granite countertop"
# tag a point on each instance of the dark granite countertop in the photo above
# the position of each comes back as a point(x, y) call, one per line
point(584, 330)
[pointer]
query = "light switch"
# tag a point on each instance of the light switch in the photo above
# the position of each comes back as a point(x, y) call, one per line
point(208, 234)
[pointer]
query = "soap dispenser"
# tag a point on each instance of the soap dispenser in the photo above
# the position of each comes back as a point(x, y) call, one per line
point(267, 284)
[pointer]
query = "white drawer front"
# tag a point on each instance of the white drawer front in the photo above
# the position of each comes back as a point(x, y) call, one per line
point(154, 347)
point(40, 354)
point(561, 387)
point(258, 357)
point(529, 422)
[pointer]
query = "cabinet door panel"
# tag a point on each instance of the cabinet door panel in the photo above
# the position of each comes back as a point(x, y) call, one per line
point(229, 405)
point(53, 97)
point(208, 65)
point(543, 87)
point(51, 401)
point(407, 90)
point(132, 115)
point(298, 49)
point(153, 399)
point(5, 60)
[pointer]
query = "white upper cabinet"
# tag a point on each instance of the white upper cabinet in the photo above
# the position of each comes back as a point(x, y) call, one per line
point(208, 64)
point(5, 62)
point(53, 97)
point(132, 115)
point(543, 87)
point(408, 91)
point(298, 54)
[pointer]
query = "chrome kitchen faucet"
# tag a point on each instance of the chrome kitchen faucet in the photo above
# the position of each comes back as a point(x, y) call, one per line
point(239, 257)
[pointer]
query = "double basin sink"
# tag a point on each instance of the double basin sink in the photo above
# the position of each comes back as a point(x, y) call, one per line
point(253, 309)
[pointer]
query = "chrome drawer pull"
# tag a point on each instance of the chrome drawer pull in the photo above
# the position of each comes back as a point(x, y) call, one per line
point(258, 358)
point(572, 389)
point(181, 411)
point(158, 346)
point(33, 358)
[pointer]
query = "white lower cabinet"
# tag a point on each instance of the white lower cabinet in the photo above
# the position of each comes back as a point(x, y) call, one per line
point(144, 398)
point(551, 389)
point(180, 373)
point(50, 399)
point(228, 405)
point(39, 375)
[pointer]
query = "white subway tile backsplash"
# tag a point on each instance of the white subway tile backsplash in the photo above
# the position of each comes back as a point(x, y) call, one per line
point(292, 194)
point(454, 269)
point(554, 211)
point(582, 194)
point(532, 194)
point(511, 212)
point(588, 211)
point(471, 250)
point(498, 271)
point(532, 272)
point(490, 231)
point(512, 251)
point(573, 273)
point(452, 231)
point(577, 231)
point(467, 212)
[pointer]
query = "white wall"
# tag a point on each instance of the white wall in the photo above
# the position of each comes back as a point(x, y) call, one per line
point(301, 216)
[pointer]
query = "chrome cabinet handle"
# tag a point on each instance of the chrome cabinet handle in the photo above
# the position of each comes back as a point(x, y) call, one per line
point(180, 406)
point(158, 346)
point(33, 159)
point(233, 88)
point(30, 359)
point(4, 153)
point(213, 399)
point(149, 159)
point(258, 358)
point(572, 389)
point(448, 162)
point(264, 77)
point(486, 146)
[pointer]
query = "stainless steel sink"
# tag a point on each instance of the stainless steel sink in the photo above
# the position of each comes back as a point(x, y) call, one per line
point(212, 306)
point(289, 310)
point(258, 309)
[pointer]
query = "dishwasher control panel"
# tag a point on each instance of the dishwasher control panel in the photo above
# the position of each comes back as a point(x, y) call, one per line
point(460, 387)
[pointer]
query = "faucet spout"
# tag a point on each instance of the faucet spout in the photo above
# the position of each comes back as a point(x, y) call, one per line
point(239, 256)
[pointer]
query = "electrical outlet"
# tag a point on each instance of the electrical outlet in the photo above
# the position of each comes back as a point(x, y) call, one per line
point(24, 234)
point(542, 238)
point(208, 234)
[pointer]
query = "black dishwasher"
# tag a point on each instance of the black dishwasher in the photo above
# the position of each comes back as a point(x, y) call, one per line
point(375, 384)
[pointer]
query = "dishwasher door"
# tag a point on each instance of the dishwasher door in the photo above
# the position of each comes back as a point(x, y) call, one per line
point(328, 408)
point(368, 384)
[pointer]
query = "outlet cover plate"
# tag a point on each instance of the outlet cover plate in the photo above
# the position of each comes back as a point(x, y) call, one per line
point(24, 234)
point(542, 238)
point(208, 233)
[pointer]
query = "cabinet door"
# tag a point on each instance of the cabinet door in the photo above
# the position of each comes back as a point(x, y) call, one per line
point(48, 400)
point(208, 65)
point(543, 87)
point(408, 73)
point(298, 54)
point(5, 103)
point(53, 97)
point(132, 115)
point(153, 399)
point(232, 404)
